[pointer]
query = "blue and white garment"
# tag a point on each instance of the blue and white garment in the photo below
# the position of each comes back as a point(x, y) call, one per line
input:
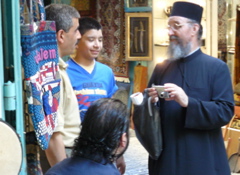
point(89, 87)
point(42, 79)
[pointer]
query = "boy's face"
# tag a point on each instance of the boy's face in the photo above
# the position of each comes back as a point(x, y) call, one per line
point(91, 43)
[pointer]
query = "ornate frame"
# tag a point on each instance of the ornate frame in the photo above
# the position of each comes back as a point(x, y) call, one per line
point(138, 35)
point(137, 5)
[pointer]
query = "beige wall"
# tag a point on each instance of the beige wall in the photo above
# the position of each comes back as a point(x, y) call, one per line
point(160, 35)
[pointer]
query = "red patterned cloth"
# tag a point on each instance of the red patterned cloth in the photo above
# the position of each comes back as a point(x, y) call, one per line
point(111, 16)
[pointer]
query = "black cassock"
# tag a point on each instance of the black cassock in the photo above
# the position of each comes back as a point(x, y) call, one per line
point(192, 137)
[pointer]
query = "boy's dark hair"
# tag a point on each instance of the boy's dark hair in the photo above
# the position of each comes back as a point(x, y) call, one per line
point(88, 23)
point(104, 123)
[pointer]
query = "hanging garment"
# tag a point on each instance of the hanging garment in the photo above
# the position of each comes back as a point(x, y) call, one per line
point(42, 80)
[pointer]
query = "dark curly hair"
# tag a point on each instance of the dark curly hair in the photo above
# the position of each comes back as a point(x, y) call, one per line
point(104, 123)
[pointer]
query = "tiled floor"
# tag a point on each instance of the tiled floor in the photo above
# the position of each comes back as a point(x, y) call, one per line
point(136, 158)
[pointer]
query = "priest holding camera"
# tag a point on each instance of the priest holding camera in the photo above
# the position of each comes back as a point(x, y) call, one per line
point(199, 102)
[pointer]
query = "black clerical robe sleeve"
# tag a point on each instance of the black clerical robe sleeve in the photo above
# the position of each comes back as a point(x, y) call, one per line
point(219, 109)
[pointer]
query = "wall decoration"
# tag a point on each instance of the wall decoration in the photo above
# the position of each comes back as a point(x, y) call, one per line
point(85, 7)
point(138, 36)
point(236, 76)
point(137, 5)
point(111, 16)
point(140, 78)
point(222, 29)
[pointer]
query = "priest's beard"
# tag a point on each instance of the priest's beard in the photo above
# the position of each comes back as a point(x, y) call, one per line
point(177, 50)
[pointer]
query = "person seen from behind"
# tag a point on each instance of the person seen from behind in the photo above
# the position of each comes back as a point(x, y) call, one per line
point(104, 137)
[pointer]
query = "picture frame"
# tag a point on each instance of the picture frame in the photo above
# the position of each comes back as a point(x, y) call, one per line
point(137, 5)
point(86, 8)
point(138, 33)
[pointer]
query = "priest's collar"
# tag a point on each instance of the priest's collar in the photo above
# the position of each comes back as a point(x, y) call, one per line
point(191, 56)
point(192, 52)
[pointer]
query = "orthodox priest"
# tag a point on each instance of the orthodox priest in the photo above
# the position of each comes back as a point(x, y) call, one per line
point(200, 100)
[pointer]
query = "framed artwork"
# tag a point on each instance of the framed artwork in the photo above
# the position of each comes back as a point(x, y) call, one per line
point(138, 36)
point(137, 5)
point(86, 8)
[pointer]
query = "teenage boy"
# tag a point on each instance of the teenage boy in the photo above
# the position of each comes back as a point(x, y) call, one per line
point(90, 79)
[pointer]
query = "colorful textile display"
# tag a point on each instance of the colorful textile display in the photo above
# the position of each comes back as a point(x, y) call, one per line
point(111, 16)
point(33, 156)
point(40, 63)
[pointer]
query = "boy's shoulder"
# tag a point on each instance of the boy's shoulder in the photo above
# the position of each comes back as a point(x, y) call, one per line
point(101, 65)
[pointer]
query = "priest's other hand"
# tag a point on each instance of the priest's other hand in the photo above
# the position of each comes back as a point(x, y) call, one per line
point(176, 93)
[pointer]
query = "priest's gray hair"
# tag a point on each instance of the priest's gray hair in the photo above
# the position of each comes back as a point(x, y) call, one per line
point(200, 31)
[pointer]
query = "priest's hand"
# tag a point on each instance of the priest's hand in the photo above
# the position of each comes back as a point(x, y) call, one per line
point(176, 93)
point(152, 92)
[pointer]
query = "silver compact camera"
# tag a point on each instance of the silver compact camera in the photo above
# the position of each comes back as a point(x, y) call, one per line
point(161, 92)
